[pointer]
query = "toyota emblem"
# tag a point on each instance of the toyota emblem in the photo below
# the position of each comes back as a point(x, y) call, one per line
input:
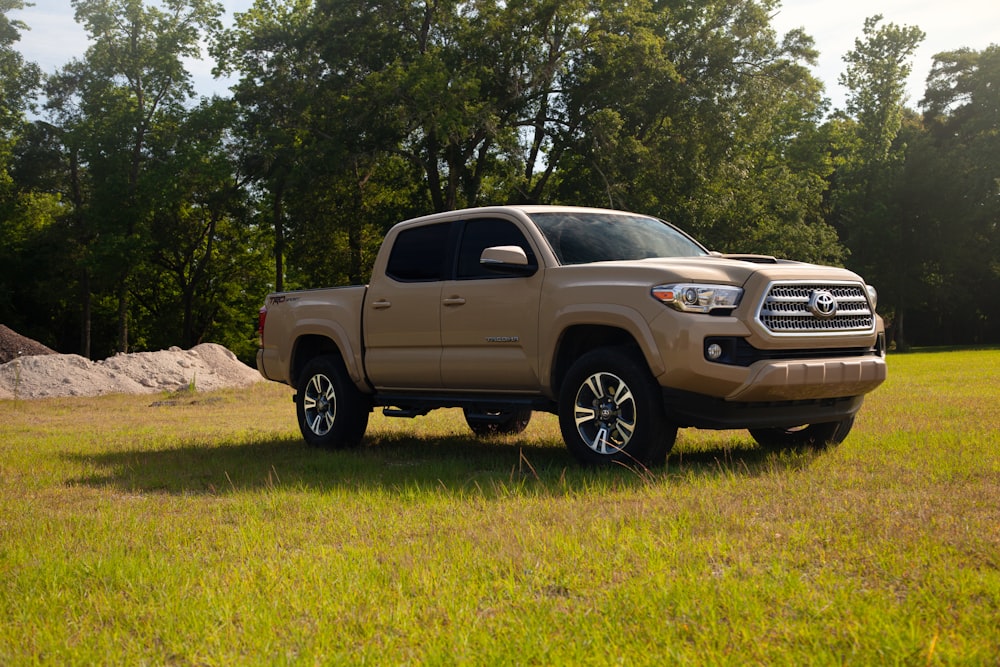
point(822, 304)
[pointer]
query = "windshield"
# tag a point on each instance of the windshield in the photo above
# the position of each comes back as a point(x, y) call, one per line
point(582, 237)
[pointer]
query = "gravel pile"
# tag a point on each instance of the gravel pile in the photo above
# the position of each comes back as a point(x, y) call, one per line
point(14, 345)
point(45, 374)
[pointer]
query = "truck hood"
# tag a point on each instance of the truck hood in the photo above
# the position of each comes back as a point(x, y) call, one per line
point(724, 270)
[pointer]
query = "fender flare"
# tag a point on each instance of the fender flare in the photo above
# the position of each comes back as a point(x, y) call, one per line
point(629, 320)
point(339, 337)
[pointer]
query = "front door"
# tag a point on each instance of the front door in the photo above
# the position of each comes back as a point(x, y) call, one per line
point(489, 320)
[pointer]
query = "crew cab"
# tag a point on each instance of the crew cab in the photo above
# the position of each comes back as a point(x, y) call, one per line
point(619, 323)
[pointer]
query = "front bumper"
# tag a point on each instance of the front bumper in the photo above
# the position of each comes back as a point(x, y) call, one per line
point(805, 380)
point(760, 381)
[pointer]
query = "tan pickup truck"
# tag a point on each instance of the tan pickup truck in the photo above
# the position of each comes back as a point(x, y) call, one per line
point(619, 323)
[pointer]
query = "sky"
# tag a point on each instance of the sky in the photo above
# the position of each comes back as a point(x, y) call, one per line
point(55, 38)
point(835, 24)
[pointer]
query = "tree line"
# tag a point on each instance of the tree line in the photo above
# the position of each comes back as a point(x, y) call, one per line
point(135, 214)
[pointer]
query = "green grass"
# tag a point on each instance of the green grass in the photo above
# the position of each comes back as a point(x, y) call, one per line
point(203, 531)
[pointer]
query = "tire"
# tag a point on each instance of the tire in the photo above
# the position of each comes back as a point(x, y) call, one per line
point(332, 413)
point(811, 436)
point(499, 422)
point(611, 410)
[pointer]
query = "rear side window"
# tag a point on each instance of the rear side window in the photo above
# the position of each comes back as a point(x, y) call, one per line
point(418, 255)
point(480, 234)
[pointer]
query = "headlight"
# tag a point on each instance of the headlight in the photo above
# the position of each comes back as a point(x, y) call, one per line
point(872, 296)
point(696, 298)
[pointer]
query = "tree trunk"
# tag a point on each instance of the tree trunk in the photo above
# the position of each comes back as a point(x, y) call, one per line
point(899, 333)
point(85, 313)
point(277, 215)
point(354, 226)
point(187, 333)
point(123, 315)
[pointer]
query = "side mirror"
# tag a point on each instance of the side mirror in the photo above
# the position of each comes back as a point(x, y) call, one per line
point(509, 259)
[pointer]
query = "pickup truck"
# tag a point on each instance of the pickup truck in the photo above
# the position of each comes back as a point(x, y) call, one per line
point(619, 323)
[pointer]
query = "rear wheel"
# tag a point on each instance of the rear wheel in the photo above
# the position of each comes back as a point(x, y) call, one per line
point(611, 410)
point(497, 422)
point(810, 436)
point(332, 413)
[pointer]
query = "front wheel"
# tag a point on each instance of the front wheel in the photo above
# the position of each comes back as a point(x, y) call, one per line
point(332, 413)
point(811, 436)
point(611, 410)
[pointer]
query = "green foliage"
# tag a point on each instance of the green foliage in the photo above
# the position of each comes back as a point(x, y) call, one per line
point(18, 79)
point(686, 112)
point(130, 90)
point(29, 232)
point(164, 220)
point(702, 116)
point(25, 215)
point(951, 190)
point(876, 74)
point(121, 152)
point(866, 205)
point(915, 198)
point(206, 260)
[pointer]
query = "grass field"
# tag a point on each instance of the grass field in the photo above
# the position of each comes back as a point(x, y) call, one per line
point(201, 530)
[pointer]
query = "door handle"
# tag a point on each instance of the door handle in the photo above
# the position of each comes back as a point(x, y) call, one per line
point(454, 301)
point(381, 304)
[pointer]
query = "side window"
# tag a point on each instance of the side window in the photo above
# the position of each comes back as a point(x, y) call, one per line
point(418, 254)
point(483, 233)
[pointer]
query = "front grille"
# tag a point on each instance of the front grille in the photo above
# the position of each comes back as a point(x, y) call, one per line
point(790, 309)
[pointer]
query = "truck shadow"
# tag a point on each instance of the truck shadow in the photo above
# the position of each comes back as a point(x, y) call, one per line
point(452, 464)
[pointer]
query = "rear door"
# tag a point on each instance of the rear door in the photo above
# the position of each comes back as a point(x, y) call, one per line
point(402, 311)
point(489, 320)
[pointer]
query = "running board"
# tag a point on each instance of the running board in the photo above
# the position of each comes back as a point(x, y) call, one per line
point(405, 406)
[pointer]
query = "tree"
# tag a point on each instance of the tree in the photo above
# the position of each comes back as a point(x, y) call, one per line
point(955, 174)
point(25, 216)
point(865, 200)
point(700, 114)
point(18, 79)
point(694, 112)
point(109, 108)
point(319, 137)
point(877, 69)
point(274, 96)
point(206, 265)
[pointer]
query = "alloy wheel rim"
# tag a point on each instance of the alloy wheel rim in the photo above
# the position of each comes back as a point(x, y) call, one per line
point(320, 404)
point(605, 413)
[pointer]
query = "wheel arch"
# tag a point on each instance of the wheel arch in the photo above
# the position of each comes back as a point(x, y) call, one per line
point(309, 346)
point(579, 339)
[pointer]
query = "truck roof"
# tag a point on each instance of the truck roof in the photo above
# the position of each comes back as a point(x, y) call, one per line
point(514, 209)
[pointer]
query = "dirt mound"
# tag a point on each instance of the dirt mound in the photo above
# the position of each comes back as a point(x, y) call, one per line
point(204, 367)
point(14, 345)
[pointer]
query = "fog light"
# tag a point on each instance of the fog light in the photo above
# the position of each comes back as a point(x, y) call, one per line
point(713, 351)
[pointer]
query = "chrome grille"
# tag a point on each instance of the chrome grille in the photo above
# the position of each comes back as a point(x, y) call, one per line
point(786, 309)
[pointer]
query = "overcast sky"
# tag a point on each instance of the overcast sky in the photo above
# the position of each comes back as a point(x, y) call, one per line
point(55, 38)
